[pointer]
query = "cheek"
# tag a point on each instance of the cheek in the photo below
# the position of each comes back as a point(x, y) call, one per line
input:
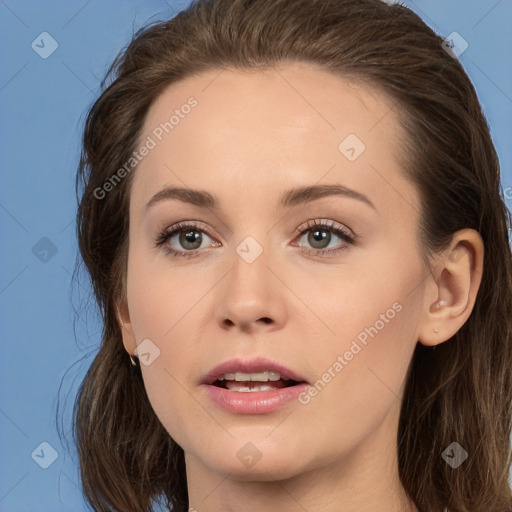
point(161, 297)
point(372, 317)
point(163, 306)
point(170, 398)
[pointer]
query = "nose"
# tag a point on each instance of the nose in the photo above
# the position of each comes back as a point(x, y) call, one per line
point(252, 298)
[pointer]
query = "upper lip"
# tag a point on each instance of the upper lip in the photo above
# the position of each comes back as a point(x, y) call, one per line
point(259, 364)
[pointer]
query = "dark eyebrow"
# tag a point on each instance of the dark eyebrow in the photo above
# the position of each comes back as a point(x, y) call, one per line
point(290, 198)
point(185, 195)
point(302, 195)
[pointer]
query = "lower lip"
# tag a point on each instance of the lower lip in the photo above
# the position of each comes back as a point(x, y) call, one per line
point(254, 402)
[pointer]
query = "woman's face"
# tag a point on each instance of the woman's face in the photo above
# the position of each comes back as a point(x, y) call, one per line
point(338, 307)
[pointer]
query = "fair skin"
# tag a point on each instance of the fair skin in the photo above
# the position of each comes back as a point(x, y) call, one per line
point(253, 136)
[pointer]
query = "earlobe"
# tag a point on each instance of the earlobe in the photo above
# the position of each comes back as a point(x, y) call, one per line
point(459, 272)
point(124, 321)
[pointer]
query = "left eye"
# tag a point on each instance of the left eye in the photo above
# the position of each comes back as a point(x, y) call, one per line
point(318, 234)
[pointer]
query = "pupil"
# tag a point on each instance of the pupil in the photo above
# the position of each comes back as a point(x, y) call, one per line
point(190, 237)
point(319, 236)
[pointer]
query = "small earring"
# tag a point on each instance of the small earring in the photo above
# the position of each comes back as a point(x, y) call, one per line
point(132, 361)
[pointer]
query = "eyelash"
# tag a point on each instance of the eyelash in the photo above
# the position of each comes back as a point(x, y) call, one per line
point(318, 225)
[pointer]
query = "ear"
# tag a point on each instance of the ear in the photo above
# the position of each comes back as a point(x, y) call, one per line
point(123, 318)
point(457, 275)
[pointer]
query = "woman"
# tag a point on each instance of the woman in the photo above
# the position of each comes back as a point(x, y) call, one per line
point(292, 217)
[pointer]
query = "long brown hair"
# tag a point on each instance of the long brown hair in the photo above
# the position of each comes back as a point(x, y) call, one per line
point(462, 391)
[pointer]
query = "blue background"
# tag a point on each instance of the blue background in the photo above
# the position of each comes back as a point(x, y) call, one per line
point(43, 104)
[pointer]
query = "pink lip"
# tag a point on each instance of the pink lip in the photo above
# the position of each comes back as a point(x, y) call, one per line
point(253, 402)
point(259, 364)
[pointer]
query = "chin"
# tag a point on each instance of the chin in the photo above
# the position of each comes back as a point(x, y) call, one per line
point(248, 463)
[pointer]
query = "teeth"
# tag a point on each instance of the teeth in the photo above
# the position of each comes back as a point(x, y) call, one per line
point(254, 377)
point(246, 389)
point(259, 377)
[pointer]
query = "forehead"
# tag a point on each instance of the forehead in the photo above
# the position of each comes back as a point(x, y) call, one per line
point(264, 128)
point(298, 96)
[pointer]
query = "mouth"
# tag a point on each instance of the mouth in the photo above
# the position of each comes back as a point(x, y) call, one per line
point(247, 382)
point(252, 376)
point(257, 386)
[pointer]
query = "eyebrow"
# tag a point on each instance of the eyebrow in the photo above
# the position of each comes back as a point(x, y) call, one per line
point(288, 199)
